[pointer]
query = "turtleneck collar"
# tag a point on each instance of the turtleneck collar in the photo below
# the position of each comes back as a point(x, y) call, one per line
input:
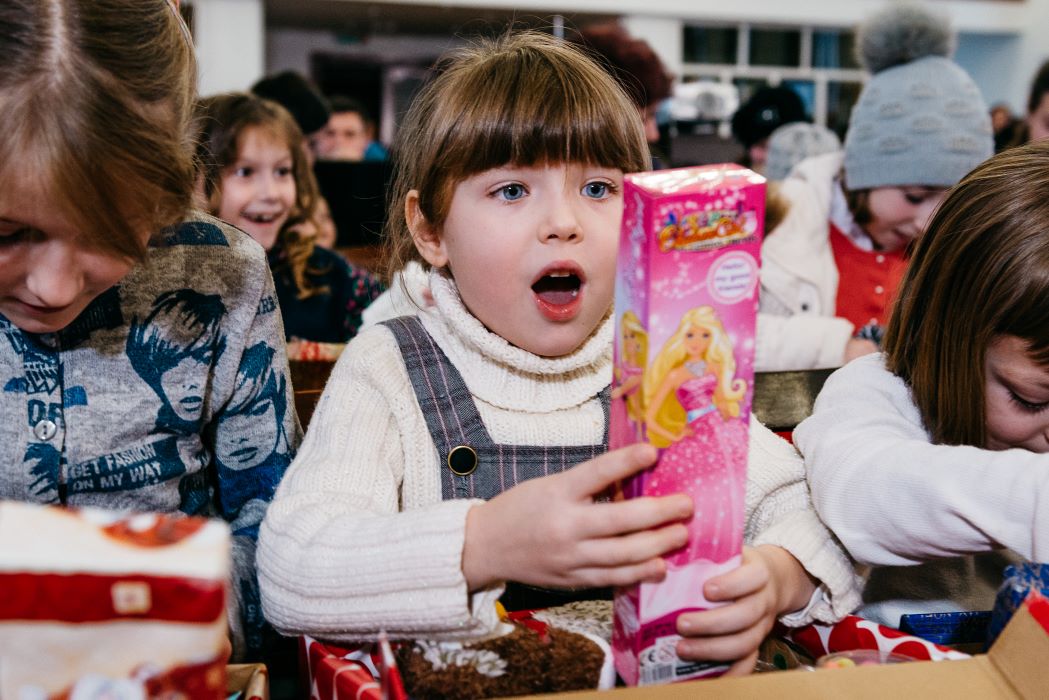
point(507, 376)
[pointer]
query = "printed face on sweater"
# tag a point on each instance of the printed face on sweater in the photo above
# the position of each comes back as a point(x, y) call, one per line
point(900, 214)
point(532, 251)
point(258, 190)
point(1017, 397)
point(48, 272)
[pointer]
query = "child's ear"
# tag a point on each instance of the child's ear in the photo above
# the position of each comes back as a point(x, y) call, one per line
point(427, 240)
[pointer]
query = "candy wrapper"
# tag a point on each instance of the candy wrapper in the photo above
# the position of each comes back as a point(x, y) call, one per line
point(1020, 581)
point(98, 604)
point(685, 308)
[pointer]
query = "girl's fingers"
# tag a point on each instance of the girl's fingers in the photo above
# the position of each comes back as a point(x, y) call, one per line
point(651, 571)
point(632, 549)
point(624, 517)
point(728, 619)
point(725, 648)
point(739, 582)
point(594, 476)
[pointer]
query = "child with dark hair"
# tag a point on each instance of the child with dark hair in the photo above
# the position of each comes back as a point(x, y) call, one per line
point(938, 449)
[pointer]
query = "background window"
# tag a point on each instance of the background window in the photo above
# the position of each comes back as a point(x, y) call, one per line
point(711, 44)
point(775, 47)
point(833, 48)
point(806, 90)
point(748, 86)
point(841, 96)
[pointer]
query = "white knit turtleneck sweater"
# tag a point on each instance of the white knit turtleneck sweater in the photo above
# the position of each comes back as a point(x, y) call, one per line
point(358, 538)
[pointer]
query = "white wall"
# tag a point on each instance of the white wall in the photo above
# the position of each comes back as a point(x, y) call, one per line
point(991, 61)
point(229, 36)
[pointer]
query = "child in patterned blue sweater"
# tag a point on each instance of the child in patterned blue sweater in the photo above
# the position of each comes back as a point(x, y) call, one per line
point(142, 359)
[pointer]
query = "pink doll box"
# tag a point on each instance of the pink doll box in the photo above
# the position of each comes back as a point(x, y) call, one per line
point(686, 305)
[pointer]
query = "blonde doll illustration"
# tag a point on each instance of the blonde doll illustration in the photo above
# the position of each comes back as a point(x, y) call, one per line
point(692, 401)
point(627, 396)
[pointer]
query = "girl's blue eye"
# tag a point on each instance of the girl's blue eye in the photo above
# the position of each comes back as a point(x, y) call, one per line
point(511, 192)
point(242, 172)
point(1025, 405)
point(597, 189)
point(284, 171)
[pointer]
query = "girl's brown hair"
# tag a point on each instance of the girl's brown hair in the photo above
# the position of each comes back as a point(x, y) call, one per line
point(980, 271)
point(222, 121)
point(523, 99)
point(96, 99)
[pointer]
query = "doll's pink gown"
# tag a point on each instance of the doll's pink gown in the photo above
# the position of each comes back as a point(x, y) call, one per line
point(710, 464)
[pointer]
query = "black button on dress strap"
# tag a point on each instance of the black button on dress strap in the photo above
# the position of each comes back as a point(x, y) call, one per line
point(462, 460)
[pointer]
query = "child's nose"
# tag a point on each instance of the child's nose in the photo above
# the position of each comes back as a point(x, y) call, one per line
point(561, 222)
point(56, 278)
point(267, 187)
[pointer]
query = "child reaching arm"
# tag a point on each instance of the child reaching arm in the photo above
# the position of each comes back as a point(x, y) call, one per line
point(937, 449)
point(461, 448)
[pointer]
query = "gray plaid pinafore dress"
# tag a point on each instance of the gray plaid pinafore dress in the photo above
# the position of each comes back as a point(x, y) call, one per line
point(472, 464)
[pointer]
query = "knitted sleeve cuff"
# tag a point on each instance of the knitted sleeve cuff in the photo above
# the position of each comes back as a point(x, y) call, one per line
point(806, 538)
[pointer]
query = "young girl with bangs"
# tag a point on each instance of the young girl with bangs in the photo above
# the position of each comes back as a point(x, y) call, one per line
point(938, 448)
point(461, 448)
point(127, 320)
point(255, 176)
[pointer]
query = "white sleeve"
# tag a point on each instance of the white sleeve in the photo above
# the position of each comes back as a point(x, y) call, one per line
point(800, 341)
point(893, 498)
point(337, 556)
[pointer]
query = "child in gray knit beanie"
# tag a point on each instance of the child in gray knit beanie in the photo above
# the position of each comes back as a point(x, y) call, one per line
point(831, 268)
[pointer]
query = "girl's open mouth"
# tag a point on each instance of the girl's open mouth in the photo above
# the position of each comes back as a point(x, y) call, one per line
point(559, 292)
point(263, 218)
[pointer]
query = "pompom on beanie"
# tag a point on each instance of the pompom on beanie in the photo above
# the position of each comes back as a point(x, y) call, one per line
point(920, 120)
